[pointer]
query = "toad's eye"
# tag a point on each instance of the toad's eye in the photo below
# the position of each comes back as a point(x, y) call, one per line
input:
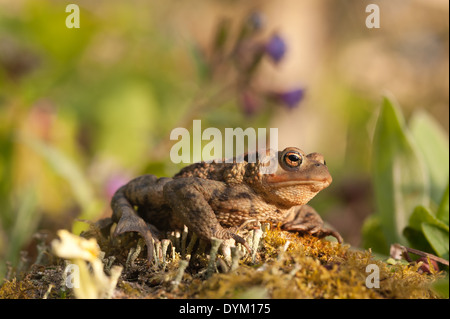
point(292, 160)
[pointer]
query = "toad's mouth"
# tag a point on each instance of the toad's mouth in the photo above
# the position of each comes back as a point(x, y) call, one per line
point(279, 184)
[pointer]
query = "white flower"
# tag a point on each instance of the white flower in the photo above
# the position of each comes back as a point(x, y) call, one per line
point(81, 251)
point(74, 247)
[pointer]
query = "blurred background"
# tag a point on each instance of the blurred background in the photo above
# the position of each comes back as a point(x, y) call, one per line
point(83, 110)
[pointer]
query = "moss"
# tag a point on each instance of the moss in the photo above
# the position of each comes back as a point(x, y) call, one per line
point(314, 268)
point(23, 289)
point(286, 266)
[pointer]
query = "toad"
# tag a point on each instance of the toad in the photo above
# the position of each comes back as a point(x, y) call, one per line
point(216, 199)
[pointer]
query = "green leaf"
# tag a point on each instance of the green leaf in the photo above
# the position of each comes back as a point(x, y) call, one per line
point(423, 215)
point(442, 288)
point(400, 179)
point(432, 142)
point(442, 213)
point(438, 238)
point(426, 232)
point(417, 239)
point(26, 219)
point(373, 236)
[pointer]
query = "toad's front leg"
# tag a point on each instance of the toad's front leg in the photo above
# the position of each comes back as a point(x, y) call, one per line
point(304, 219)
point(189, 200)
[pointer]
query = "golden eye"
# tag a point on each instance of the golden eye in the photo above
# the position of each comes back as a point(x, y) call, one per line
point(292, 160)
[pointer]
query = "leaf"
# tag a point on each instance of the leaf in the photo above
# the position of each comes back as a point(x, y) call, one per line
point(438, 238)
point(417, 239)
point(26, 219)
point(442, 288)
point(432, 142)
point(425, 231)
point(400, 179)
point(373, 236)
point(423, 215)
point(442, 213)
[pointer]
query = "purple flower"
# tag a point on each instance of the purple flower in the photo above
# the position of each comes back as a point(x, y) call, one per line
point(291, 98)
point(276, 48)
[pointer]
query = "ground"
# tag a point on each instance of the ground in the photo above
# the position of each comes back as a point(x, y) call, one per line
point(285, 265)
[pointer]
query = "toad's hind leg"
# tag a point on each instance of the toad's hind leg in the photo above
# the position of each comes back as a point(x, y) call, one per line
point(304, 219)
point(189, 200)
point(140, 191)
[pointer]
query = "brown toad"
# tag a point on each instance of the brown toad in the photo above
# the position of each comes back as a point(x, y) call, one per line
point(214, 199)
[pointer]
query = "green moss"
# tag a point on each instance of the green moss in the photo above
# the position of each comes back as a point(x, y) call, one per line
point(286, 266)
point(314, 268)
